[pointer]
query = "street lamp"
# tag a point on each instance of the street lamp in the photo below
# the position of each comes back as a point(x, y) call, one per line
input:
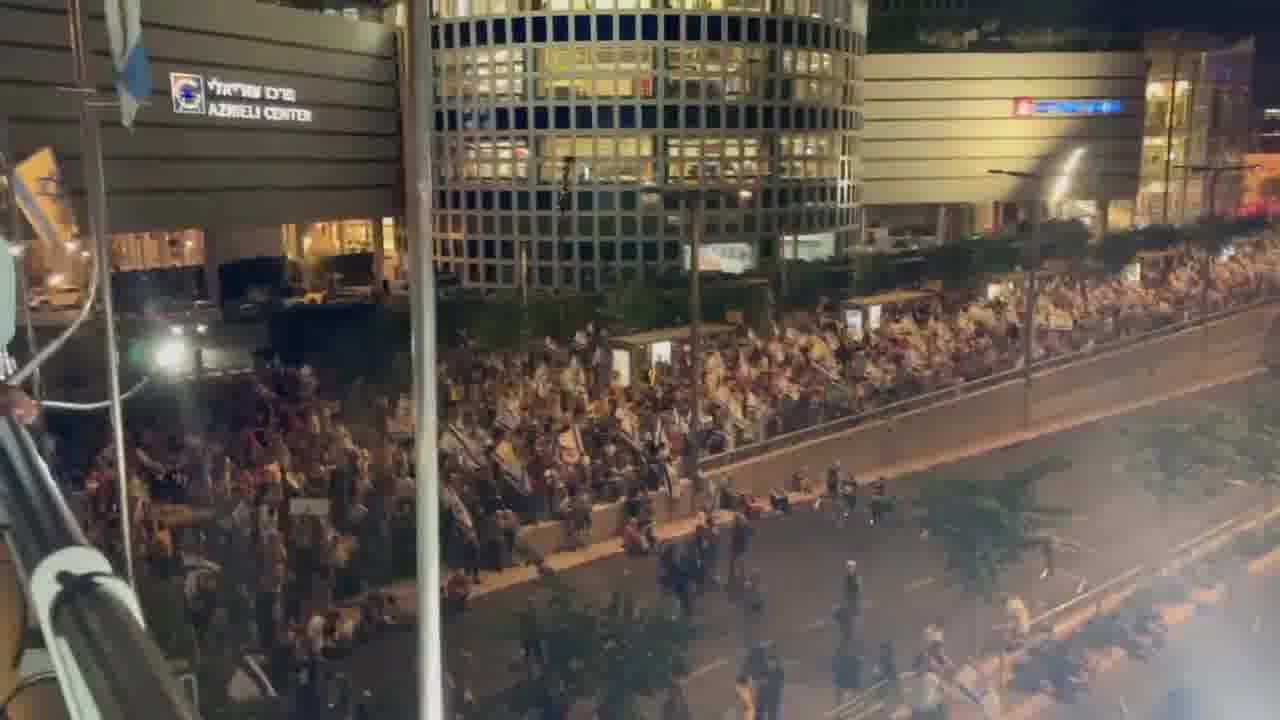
point(1060, 189)
point(1029, 310)
point(691, 201)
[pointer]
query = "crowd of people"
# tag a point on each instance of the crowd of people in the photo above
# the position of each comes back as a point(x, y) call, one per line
point(268, 535)
point(299, 503)
point(548, 433)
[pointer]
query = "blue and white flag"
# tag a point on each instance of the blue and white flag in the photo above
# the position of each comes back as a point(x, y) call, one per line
point(133, 71)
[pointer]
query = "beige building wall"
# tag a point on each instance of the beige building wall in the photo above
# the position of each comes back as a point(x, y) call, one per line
point(936, 122)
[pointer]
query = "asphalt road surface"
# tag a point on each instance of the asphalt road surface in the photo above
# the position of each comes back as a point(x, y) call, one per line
point(801, 561)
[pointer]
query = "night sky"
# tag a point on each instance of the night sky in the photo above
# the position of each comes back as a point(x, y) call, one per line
point(1260, 18)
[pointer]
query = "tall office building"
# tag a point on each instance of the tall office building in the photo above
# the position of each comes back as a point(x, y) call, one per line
point(1208, 123)
point(578, 129)
point(957, 88)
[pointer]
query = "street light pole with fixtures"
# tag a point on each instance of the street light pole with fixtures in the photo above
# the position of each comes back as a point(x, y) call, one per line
point(1033, 261)
point(1029, 308)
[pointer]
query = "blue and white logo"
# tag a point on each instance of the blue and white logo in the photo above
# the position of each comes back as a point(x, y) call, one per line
point(187, 91)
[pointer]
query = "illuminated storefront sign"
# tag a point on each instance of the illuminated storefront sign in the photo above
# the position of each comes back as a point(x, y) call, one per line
point(731, 258)
point(1030, 107)
point(215, 97)
point(811, 248)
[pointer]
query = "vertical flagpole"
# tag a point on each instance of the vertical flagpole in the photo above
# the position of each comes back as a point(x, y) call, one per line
point(423, 302)
point(95, 185)
point(9, 165)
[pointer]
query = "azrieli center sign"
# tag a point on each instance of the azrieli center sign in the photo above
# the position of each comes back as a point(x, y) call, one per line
point(214, 97)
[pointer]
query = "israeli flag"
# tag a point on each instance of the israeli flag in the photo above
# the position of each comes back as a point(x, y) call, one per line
point(133, 71)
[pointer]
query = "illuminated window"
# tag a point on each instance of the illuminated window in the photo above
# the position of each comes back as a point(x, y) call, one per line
point(492, 160)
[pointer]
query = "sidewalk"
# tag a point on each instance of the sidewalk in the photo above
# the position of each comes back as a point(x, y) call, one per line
point(404, 591)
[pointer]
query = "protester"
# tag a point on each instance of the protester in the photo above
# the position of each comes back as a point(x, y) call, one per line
point(297, 493)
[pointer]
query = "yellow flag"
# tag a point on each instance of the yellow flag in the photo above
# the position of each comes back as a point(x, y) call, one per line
point(44, 199)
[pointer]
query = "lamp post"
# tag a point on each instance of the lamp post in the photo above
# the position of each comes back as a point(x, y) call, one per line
point(422, 298)
point(1029, 309)
point(1170, 119)
point(1060, 189)
point(1206, 266)
point(691, 203)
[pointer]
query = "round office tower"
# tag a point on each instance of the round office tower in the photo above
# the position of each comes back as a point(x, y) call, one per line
point(580, 129)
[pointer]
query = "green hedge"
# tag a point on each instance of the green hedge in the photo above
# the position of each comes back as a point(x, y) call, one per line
point(354, 339)
point(351, 340)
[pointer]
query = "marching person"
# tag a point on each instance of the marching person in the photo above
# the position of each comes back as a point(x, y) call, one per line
point(835, 479)
point(739, 537)
point(880, 502)
point(1049, 546)
point(849, 498)
point(752, 610)
point(853, 589)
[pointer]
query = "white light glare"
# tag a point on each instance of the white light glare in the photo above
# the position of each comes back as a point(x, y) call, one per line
point(1063, 184)
point(170, 354)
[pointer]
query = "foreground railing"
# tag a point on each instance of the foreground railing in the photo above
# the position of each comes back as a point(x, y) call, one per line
point(953, 392)
point(107, 665)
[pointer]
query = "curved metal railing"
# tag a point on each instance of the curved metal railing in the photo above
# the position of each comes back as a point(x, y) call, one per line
point(89, 616)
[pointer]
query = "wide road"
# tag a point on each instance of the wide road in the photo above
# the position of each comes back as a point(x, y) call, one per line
point(801, 559)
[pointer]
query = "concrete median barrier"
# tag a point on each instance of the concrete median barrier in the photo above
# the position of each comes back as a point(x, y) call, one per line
point(1069, 392)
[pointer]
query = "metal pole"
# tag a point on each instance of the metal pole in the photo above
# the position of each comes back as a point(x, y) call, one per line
point(1207, 269)
point(1196, 79)
point(782, 268)
point(116, 669)
point(695, 330)
point(95, 185)
point(9, 163)
point(1168, 140)
point(1029, 314)
point(423, 304)
point(24, 295)
point(524, 272)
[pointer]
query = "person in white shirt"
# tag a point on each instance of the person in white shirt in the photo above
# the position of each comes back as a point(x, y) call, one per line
point(928, 696)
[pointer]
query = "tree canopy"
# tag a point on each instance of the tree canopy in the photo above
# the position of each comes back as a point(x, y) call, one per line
point(986, 526)
point(1178, 455)
point(613, 654)
point(1253, 441)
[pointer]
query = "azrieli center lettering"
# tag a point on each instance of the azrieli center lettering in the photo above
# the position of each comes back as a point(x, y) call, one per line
point(272, 113)
point(212, 96)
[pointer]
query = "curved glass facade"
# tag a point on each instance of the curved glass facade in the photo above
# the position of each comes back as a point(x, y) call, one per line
point(580, 126)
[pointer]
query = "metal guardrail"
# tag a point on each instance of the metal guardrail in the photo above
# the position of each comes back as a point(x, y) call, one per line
point(110, 667)
point(937, 397)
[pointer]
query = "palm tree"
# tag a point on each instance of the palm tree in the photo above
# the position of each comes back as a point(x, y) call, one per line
point(987, 526)
point(1175, 455)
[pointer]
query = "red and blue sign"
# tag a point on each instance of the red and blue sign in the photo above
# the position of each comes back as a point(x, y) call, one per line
point(1030, 107)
